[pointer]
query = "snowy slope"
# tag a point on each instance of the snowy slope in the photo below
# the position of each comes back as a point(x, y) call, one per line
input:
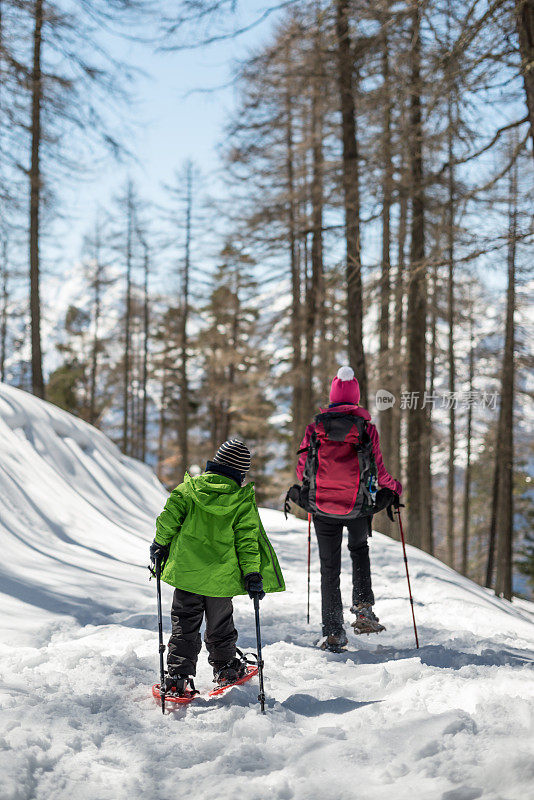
point(79, 651)
point(74, 515)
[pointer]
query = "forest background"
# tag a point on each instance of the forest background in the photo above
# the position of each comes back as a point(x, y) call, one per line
point(207, 208)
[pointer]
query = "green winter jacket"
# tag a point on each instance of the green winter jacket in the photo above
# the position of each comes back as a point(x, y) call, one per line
point(216, 538)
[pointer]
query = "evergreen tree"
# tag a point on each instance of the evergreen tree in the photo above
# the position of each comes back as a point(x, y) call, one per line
point(235, 365)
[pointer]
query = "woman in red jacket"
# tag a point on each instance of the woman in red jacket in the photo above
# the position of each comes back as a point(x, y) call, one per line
point(337, 491)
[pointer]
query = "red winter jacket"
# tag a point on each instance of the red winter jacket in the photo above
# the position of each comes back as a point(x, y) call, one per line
point(336, 491)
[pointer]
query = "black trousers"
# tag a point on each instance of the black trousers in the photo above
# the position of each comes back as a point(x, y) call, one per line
point(329, 538)
point(187, 612)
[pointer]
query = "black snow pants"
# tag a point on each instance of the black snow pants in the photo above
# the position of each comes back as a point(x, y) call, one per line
point(187, 612)
point(329, 538)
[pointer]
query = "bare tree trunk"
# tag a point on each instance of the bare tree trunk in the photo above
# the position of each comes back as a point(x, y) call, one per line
point(1, 69)
point(146, 345)
point(434, 287)
point(162, 421)
point(318, 191)
point(398, 330)
point(450, 307)
point(385, 281)
point(524, 10)
point(317, 232)
point(417, 304)
point(351, 192)
point(296, 345)
point(310, 316)
point(503, 578)
point(215, 425)
point(426, 486)
point(386, 421)
point(235, 343)
point(127, 322)
point(306, 278)
point(96, 315)
point(183, 433)
point(24, 381)
point(428, 522)
point(134, 397)
point(452, 409)
point(35, 202)
point(4, 313)
point(490, 565)
point(467, 477)
point(324, 365)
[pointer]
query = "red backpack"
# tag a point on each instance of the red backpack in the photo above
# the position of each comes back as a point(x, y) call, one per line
point(340, 474)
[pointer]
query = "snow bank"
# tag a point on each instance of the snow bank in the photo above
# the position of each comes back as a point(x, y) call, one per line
point(75, 515)
point(452, 720)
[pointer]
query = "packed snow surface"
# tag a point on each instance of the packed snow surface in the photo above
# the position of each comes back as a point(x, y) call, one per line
point(452, 720)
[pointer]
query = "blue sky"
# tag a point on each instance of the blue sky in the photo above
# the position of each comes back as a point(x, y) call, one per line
point(172, 118)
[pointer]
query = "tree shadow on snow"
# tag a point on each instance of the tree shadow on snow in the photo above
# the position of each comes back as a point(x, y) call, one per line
point(85, 610)
point(484, 596)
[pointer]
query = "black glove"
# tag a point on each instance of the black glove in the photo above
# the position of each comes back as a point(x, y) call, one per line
point(287, 505)
point(159, 552)
point(395, 503)
point(298, 495)
point(384, 498)
point(254, 585)
point(293, 493)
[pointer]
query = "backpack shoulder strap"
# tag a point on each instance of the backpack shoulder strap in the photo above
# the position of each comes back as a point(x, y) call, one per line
point(312, 442)
point(363, 433)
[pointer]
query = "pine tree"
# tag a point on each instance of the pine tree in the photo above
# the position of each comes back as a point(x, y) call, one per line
point(234, 364)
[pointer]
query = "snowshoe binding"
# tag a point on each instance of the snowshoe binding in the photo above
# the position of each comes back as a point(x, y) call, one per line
point(366, 620)
point(179, 690)
point(232, 671)
point(179, 686)
point(334, 642)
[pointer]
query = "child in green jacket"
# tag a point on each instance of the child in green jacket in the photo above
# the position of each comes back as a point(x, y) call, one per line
point(213, 544)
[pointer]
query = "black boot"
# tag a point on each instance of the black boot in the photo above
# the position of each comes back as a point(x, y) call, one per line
point(178, 684)
point(366, 620)
point(334, 642)
point(225, 674)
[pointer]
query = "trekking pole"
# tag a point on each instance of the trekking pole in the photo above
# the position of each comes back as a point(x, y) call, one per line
point(407, 575)
point(309, 563)
point(261, 696)
point(160, 632)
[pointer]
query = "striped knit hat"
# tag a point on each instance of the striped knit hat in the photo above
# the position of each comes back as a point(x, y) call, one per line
point(235, 454)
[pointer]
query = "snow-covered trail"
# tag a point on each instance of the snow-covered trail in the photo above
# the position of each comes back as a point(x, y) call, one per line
point(453, 720)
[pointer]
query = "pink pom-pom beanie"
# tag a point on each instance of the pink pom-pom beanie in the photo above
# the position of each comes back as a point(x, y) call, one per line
point(345, 388)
